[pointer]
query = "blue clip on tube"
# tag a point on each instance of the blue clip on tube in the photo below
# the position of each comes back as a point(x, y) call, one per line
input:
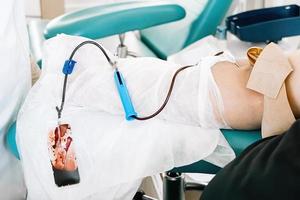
point(69, 66)
point(124, 96)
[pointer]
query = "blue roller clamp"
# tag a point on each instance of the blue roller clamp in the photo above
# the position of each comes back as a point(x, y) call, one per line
point(69, 66)
point(124, 96)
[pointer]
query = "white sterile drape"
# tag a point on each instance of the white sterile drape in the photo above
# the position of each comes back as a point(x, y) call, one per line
point(113, 154)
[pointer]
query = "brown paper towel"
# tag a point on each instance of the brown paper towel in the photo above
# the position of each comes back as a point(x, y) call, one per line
point(268, 78)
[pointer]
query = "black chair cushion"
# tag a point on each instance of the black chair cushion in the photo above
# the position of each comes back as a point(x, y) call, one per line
point(267, 169)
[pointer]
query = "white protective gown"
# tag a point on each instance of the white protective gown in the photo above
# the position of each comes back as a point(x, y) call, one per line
point(15, 83)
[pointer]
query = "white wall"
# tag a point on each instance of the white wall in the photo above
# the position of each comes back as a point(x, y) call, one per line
point(32, 8)
point(281, 2)
point(77, 4)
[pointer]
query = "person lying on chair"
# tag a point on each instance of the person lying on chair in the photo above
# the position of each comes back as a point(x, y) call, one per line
point(217, 92)
point(229, 93)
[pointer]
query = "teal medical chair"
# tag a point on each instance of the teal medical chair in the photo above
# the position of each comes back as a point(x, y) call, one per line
point(118, 18)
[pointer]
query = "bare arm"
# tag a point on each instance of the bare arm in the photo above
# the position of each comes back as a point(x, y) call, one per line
point(244, 107)
point(293, 83)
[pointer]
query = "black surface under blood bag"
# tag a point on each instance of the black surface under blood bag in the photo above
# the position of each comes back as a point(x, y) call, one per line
point(62, 156)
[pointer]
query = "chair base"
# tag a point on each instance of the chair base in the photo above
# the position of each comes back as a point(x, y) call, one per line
point(140, 195)
point(174, 188)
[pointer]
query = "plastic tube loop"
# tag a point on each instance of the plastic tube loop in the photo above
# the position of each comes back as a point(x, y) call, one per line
point(124, 96)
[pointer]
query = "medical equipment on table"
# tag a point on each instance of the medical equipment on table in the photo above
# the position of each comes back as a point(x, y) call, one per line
point(265, 25)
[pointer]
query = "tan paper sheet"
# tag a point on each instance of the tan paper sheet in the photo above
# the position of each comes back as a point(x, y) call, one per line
point(268, 78)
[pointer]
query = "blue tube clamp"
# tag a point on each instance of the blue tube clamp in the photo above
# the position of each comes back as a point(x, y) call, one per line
point(124, 96)
point(69, 66)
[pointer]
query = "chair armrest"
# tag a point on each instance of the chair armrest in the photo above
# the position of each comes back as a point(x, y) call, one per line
point(11, 140)
point(117, 18)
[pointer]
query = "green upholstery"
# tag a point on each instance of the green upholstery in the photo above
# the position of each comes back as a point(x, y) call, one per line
point(208, 20)
point(35, 31)
point(101, 21)
point(168, 39)
point(11, 140)
point(238, 140)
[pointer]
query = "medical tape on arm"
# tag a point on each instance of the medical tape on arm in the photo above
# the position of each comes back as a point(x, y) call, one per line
point(268, 78)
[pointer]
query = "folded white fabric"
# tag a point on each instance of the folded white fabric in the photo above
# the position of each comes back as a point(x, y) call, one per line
point(15, 83)
point(112, 152)
point(207, 46)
